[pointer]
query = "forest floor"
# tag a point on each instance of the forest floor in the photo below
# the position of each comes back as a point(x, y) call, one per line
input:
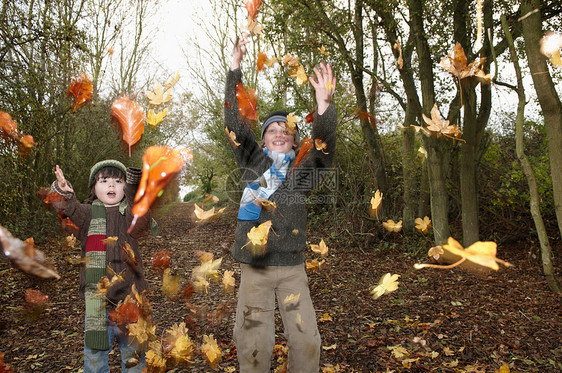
point(437, 320)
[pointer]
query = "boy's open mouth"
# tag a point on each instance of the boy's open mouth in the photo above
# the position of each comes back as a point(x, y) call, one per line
point(279, 143)
point(111, 194)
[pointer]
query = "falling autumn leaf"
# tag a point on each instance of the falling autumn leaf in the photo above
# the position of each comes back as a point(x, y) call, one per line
point(154, 119)
point(159, 96)
point(551, 43)
point(253, 26)
point(266, 204)
point(161, 260)
point(325, 317)
point(375, 206)
point(309, 117)
point(25, 256)
point(131, 259)
point(391, 226)
point(387, 284)
point(172, 80)
point(257, 238)
point(200, 284)
point(299, 74)
point(142, 331)
point(160, 165)
point(231, 136)
point(208, 270)
point(306, 146)
point(204, 256)
point(480, 253)
point(70, 241)
point(247, 101)
point(321, 248)
point(211, 350)
point(320, 145)
point(207, 216)
point(322, 50)
point(178, 344)
point(252, 6)
point(435, 252)
point(110, 241)
point(170, 285)
point(127, 311)
point(437, 126)
point(9, 131)
point(399, 59)
point(81, 89)
point(155, 360)
point(291, 124)
point(313, 265)
point(423, 225)
point(130, 116)
point(228, 282)
point(210, 198)
point(290, 60)
point(456, 64)
point(262, 57)
point(292, 299)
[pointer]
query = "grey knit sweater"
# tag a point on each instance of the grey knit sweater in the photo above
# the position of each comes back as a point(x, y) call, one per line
point(287, 238)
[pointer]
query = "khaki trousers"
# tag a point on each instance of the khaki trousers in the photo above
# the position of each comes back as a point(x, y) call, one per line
point(254, 331)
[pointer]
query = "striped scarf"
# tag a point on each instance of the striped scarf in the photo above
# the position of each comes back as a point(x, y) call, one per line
point(265, 185)
point(97, 337)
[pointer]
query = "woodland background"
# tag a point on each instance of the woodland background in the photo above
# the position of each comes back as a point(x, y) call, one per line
point(475, 189)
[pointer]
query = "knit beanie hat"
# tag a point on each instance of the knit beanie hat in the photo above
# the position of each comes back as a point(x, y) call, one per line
point(278, 116)
point(107, 163)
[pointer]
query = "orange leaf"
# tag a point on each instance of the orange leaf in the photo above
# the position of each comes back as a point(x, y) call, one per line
point(252, 6)
point(125, 313)
point(161, 260)
point(262, 57)
point(306, 146)
point(310, 117)
point(131, 117)
point(160, 165)
point(7, 124)
point(81, 89)
point(247, 101)
point(35, 297)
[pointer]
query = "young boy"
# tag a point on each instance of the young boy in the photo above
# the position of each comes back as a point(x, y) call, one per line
point(267, 173)
point(106, 214)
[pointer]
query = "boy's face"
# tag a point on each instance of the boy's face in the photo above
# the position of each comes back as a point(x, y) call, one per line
point(276, 138)
point(110, 190)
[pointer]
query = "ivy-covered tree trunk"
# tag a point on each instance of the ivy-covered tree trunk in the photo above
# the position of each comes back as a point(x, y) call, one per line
point(548, 98)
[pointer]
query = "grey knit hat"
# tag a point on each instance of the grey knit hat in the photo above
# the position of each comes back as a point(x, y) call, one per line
point(107, 163)
point(278, 116)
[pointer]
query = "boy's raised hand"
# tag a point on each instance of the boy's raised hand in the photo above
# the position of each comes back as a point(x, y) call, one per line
point(63, 185)
point(239, 51)
point(324, 84)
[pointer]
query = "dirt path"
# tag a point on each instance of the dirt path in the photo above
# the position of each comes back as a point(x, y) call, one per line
point(437, 321)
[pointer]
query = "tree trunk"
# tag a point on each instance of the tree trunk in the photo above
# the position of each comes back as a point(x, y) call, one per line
point(548, 98)
point(546, 252)
point(437, 150)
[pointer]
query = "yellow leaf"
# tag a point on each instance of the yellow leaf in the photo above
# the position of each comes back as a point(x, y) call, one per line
point(398, 351)
point(290, 60)
point(170, 285)
point(204, 256)
point(423, 225)
point(391, 226)
point(159, 96)
point(292, 299)
point(209, 198)
point(329, 85)
point(481, 253)
point(207, 216)
point(452, 364)
point(178, 343)
point(399, 59)
point(407, 363)
point(313, 265)
point(142, 331)
point(200, 284)
point(110, 241)
point(332, 347)
point(253, 26)
point(456, 64)
point(299, 74)
point(321, 249)
point(211, 350)
point(258, 238)
point(153, 119)
point(422, 153)
point(70, 241)
point(266, 204)
point(325, 317)
point(209, 270)
point(376, 203)
point(291, 126)
point(435, 252)
point(387, 284)
point(172, 80)
point(322, 50)
point(438, 126)
point(448, 351)
point(228, 282)
point(503, 369)
point(155, 360)
point(231, 136)
point(555, 58)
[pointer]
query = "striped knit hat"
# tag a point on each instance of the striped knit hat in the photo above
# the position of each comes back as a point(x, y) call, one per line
point(107, 163)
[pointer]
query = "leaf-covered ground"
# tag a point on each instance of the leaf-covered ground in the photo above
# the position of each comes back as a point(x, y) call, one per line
point(437, 320)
